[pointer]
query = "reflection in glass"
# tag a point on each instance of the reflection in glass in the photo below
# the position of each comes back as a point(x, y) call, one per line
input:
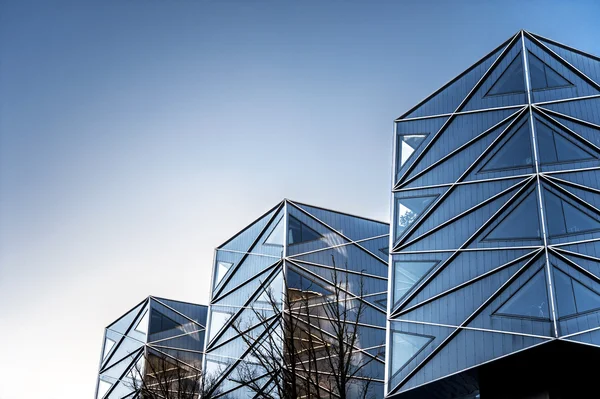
point(277, 235)
point(406, 275)
point(103, 388)
point(160, 322)
point(531, 300)
point(563, 218)
point(142, 326)
point(511, 81)
point(217, 321)
point(299, 232)
point(516, 152)
point(572, 296)
point(272, 292)
point(405, 347)
point(221, 270)
point(408, 210)
point(521, 223)
point(108, 345)
point(554, 148)
point(544, 77)
point(407, 144)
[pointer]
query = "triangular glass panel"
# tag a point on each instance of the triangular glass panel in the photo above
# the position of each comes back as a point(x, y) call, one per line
point(406, 275)
point(554, 148)
point(544, 77)
point(585, 298)
point(217, 321)
point(563, 218)
point(530, 300)
point(515, 153)
point(221, 269)
point(563, 290)
point(405, 347)
point(160, 322)
point(298, 232)
point(108, 345)
point(385, 250)
point(103, 388)
point(271, 295)
point(277, 235)
point(142, 326)
point(408, 210)
point(511, 81)
point(522, 223)
point(406, 146)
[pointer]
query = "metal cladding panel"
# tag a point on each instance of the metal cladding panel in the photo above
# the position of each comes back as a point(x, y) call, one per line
point(496, 219)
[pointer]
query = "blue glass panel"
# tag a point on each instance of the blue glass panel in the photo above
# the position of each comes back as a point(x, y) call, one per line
point(553, 147)
point(563, 290)
point(522, 223)
point(408, 210)
point(405, 347)
point(544, 77)
point(516, 152)
point(586, 63)
point(299, 282)
point(511, 81)
point(277, 235)
point(587, 110)
point(578, 222)
point(406, 145)
point(555, 219)
point(531, 300)
point(406, 275)
point(585, 298)
point(244, 239)
point(564, 218)
point(298, 232)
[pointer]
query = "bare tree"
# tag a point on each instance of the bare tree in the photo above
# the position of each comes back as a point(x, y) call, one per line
point(159, 376)
point(306, 344)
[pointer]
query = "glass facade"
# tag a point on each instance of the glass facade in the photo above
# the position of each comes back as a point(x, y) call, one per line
point(154, 330)
point(496, 210)
point(282, 258)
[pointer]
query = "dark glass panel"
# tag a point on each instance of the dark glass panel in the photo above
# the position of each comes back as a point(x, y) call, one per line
point(159, 322)
point(555, 218)
point(298, 283)
point(553, 79)
point(577, 221)
point(531, 300)
point(521, 223)
point(404, 348)
point(536, 73)
point(564, 294)
point(385, 250)
point(407, 144)
point(566, 151)
point(511, 81)
point(585, 298)
point(516, 152)
point(546, 144)
point(299, 232)
point(408, 210)
point(407, 274)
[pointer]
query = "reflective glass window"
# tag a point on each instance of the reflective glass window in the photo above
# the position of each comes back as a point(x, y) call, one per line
point(221, 270)
point(555, 219)
point(531, 300)
point(521, 223)
point(405, 347)
point(577, 221)
point(406, 146)
point(272, 291)
point(142, 326)
point(160, 322)
point(564, 218)
point(585, 298)
point(108, 345)
point(516, 152)
point(217, 320)
point(553, 147)
point(542, 76)
point(298, 232)
point(103, 388)
point(408, 210)
point(406, 275)
point(277, 235)
point(299, 286)
point(565, 298)
point(511, 81)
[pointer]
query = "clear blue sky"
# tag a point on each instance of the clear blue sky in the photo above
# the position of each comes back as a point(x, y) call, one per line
point(135, 136)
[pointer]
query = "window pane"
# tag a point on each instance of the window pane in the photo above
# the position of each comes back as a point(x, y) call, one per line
point(577, 221)
point(516, 152)
point(404, 347)
point(531, 300)
point(103, 388)
point(142, 326)
point(108, 345)
point(299, 232)
point(221, 270)
point(554, 79)
point(585, 298)
point(407, 144)
point(408, 210)
point(536, 72)
point(277, 235)
point(522, 223)
point(546, 145)
point(555, 219)
point(568, 151)
point(217, 321)
point(564, 294)
point(406, 275)
point(511, 81)
point(159, 322)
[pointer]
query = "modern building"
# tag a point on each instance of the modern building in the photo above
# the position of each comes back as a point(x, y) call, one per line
point(495, 260)
point(295, 248)
point(138, 345)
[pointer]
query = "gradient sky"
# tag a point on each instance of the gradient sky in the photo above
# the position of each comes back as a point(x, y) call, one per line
point(135, 136)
